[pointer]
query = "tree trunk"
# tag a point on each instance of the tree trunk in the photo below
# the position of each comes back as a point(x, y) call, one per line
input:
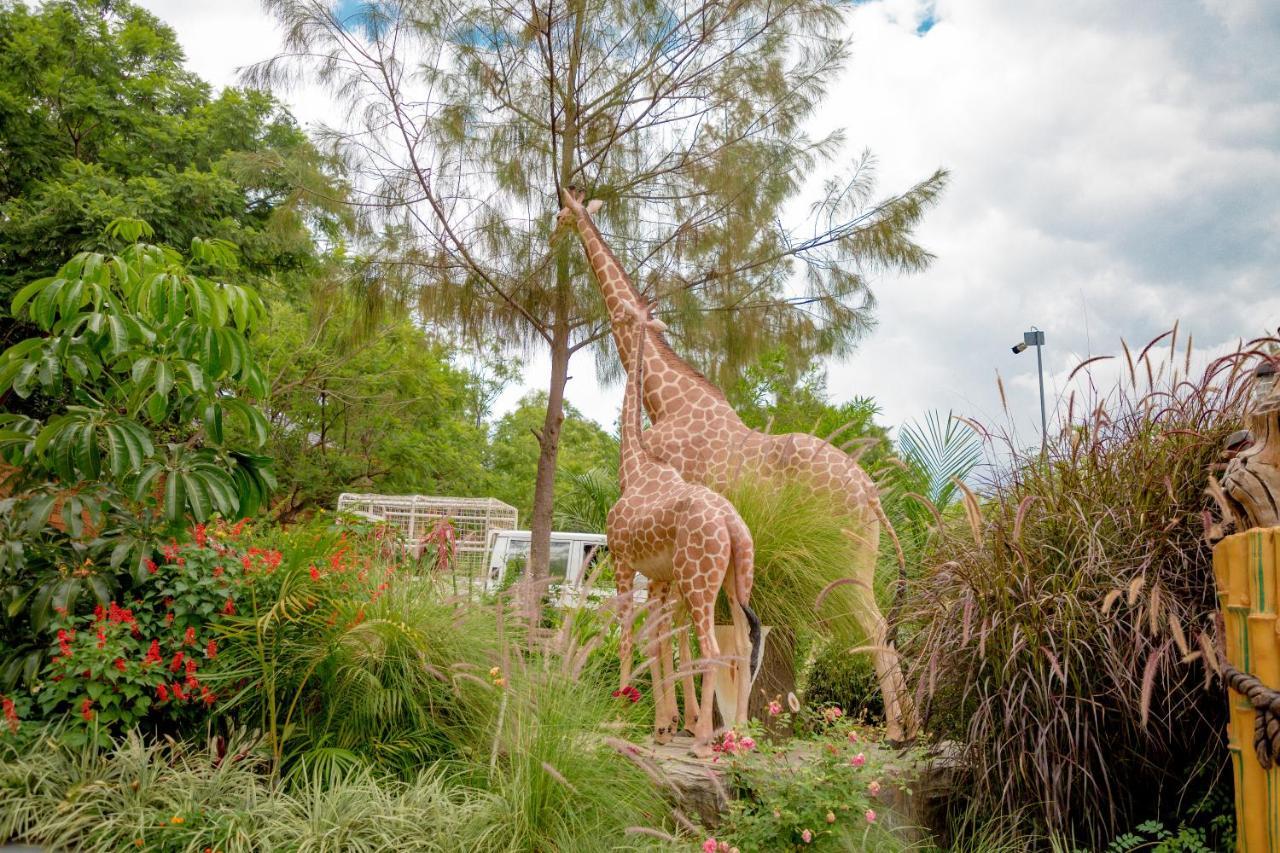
point(545, 480)
point(777, 675)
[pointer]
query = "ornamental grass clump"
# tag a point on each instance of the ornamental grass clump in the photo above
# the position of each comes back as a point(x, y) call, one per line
point(1066, 626)
point(805, 550)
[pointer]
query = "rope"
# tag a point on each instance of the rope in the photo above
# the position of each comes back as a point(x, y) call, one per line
point(1266, 702)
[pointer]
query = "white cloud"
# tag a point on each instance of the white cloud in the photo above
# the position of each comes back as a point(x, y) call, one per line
point(1116, 167)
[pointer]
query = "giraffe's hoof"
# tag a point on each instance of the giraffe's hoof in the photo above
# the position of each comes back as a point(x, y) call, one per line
point(662, 736)
point(702, 749)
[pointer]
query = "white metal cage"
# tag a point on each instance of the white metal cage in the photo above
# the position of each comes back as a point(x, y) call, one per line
point(417, 515)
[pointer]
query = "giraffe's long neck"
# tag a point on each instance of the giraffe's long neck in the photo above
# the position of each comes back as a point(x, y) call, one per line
point(672, 384)
point(631, 444)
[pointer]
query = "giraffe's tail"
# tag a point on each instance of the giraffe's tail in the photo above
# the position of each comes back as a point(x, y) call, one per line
point(743, 574)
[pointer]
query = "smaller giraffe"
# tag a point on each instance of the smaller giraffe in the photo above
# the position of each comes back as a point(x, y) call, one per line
point(683, 537)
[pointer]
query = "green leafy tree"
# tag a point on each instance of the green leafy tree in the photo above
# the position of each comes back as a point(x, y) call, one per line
point(387, 412)
point(148, 350)
point(468, 119)
point(99, 121)
point(514, 450)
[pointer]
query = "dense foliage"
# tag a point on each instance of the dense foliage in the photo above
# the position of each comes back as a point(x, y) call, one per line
point(1064, 626)
point(145, 352)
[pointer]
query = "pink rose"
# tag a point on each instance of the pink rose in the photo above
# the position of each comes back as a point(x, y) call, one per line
point(709, 846)
point(807, 836)
point(874, 788)
point(858, 760)
point(775, 708)
point(831, 817)
point(871, 816)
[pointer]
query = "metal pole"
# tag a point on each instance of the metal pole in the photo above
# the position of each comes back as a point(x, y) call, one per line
point(1044, 428)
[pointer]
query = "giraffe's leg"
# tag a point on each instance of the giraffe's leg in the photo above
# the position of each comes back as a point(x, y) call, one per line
point(702, 610)
point(653, 648)
point(669, 712)
point(624, 578)
point(690, 688)
point(899, 711)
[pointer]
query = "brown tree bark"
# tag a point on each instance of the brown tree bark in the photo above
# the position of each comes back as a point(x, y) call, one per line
point(545, 479)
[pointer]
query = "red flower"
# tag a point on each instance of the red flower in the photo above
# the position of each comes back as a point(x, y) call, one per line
point(211, 650)
point(168, 618)
point(217, 571)
point(152, 568)
point(64, 642)
point(177, 692)
point(153, 653)
point(247, 562)
point(162, 693)
point(86, 710)
point(102, 639)
point(120, 664)
point(208, 697)
point(235, 531)
point(229, 608)
point(201, 536)
point(315, 575)
point(191, 666)
point(189, 638)
point(98, 613)
point(10, 715)
point(177, 662)
point(272, 559)
point(168, 603)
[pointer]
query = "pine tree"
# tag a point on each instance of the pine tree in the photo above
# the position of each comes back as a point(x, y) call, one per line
point(686, 118)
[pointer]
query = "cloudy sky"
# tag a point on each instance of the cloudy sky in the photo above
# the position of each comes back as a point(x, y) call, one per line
point(1115, 168)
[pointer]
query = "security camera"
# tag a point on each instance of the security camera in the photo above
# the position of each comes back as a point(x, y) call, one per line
point(1017, 348)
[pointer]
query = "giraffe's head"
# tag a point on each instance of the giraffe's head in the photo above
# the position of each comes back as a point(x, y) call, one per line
point(632, 314)
point(574, 207)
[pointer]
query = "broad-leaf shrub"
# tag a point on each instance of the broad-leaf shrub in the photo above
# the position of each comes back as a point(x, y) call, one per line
point(143, 364)
point(119, 667)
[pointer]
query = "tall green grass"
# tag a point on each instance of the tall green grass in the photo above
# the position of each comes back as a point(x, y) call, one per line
point(1062, 632)
point(803, 548)
point(174, 796)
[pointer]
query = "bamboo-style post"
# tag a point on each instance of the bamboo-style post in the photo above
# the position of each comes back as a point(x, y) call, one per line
point(1245, 565)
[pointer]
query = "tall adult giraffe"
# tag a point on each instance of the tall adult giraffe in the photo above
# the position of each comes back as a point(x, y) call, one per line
point(696, 431)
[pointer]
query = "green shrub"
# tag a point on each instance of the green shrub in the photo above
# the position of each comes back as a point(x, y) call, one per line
point(835, 677)
point(826, 792)
point(802, 546)
point(142, 371)
point(1064, 621)
point(175, 796)
point(119, 667)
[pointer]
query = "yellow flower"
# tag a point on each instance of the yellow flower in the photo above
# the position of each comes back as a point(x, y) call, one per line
point(499, 682)
point(137, 842)
point(493, 673)
point(177, 819)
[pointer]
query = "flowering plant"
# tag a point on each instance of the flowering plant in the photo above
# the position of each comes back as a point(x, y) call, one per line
point(823, 792)
point(118, 666)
